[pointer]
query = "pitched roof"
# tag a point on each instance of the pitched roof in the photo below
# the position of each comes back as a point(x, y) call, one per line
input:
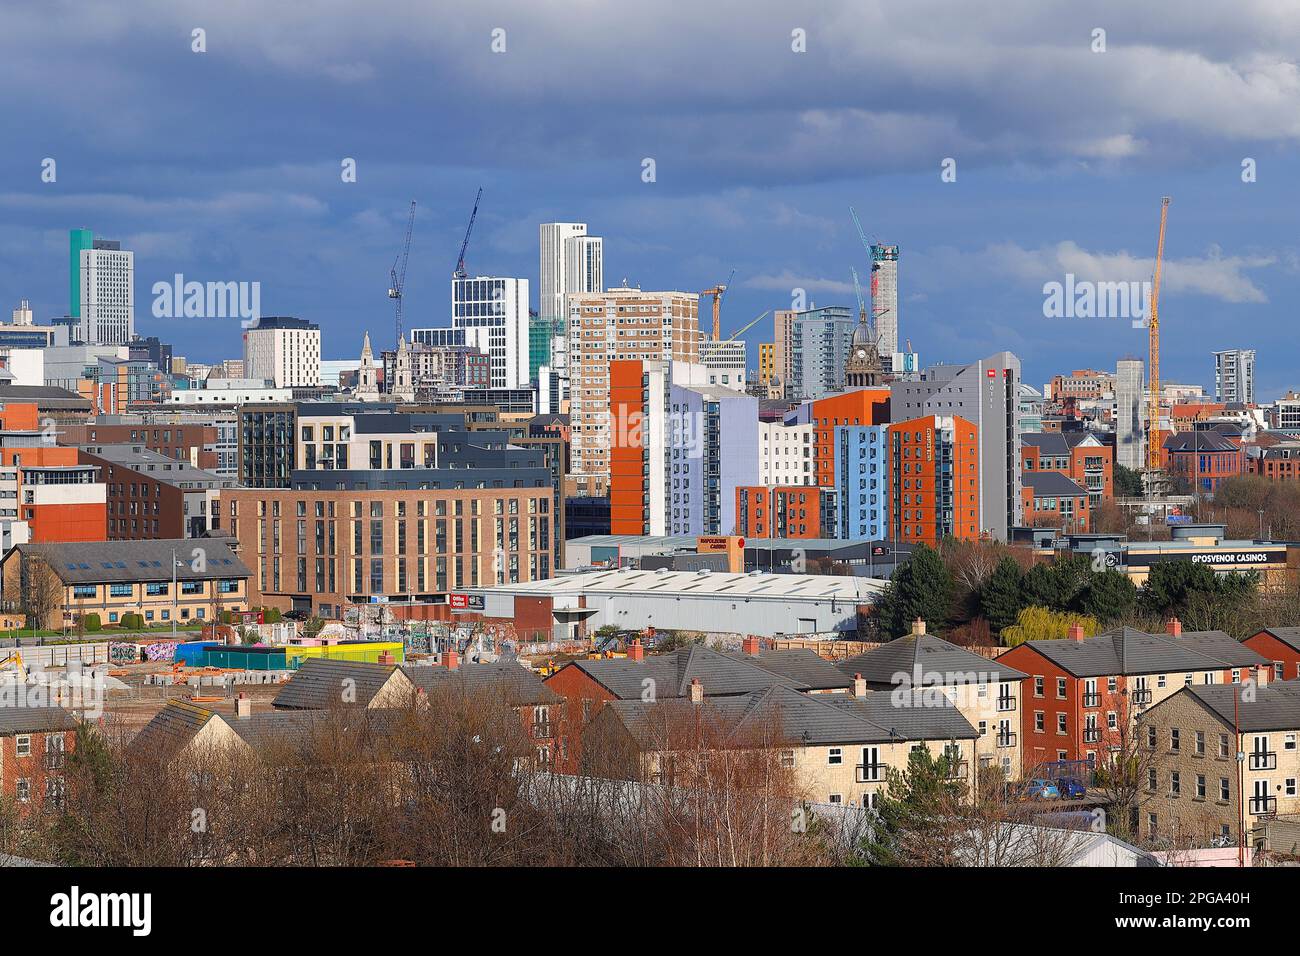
point(520, 685)
point(172, 728)
point(319, 684)
point(1047, 443)
point(1201, 440)
point(804, 666)
point(810, 719)
point(101, 562)
point(939, 662)
point(27, 720)
point(1126, 650)
point(721, 674)
point(1052, 484)
point(1274, 706)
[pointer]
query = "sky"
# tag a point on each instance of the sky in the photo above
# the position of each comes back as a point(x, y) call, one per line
point(765, 122)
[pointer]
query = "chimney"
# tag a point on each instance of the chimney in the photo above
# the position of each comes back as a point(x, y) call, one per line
point(697, 691)
point(1174, 627)
point(450, 659)
point(918, 626)
point(243, 706)
point(1076, 632)
point(387, 658)
point(750, 645)
point(859, 686)
point(635, 652)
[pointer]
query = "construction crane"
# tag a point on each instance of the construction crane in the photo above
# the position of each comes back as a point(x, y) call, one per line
point(717, 292)
point(857, 290)
point(398, 277)
point(460, 260)
point(732, 336)
point(866, 244)
point(1153, 340)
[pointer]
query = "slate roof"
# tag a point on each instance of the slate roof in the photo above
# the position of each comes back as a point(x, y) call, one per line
point(928, 655)
point(520, 685)
point(171, 728)
point(1047, 443)
point(30, 720)
point(1201, 440)
point(810, 719)
point(106, 562)
point(721, 674)
point(1052, 484)
point(45, 396)
point(1276, 706)
point(1126, 650)
point(804, 666)
point(319, 683)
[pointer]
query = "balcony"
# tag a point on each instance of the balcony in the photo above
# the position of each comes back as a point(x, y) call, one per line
point(1006, 704)
point(54, 760)
point(1091, 735)
point(1141, 697)
point(1263, 760)
point(1263, 805)
point(958, 769)
point(870, 772)
point(1092, 699)
point(1007, 739)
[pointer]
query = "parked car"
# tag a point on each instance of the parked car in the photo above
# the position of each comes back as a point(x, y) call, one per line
point(1040, 789)
point(1071, 788)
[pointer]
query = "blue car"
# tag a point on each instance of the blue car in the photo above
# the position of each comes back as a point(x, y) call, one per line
point(1071, 788)
point(1039, 789)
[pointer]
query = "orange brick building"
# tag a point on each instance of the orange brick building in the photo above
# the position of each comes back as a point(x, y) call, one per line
point(934, 479)
point(785, 511)
point(44, 486)
point(628, 511)
point(863, 406)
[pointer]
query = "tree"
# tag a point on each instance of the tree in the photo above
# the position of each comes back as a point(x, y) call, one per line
point(1128, 483)
point(1059, 584)
point(1109, 596)
point(1042, 624)
point(920, 588)
point(914, 813)
point(41, 591)
point(1173, 586)
point(1001, 598)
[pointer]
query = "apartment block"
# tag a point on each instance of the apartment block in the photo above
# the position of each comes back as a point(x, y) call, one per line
point(934, 479)
point(796, 511)
point(284, 351)
point(862, 454)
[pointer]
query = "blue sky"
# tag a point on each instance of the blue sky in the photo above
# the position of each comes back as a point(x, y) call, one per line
point(225, 165)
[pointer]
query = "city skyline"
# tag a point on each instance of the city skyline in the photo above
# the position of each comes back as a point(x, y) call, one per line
point(1044, 187)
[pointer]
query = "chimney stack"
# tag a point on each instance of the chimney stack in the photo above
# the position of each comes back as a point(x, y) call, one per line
point(387, 658)
point(859, 686)
point(635, 650)
point(750, 645)
point(697, 691)
point(243, 706)
point(1174, 627)
point(450, 659)
point(918, 626)
point(1076, 632)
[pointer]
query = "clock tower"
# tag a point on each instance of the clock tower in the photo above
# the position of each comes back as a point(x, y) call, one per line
point(863, 369)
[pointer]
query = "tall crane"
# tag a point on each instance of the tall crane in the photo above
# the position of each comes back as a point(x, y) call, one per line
point(866, 245)
point(717, 292)
point(399, 277)
point(1153, 344)
point(732, 336)
point(460, 260)
point(857, 290)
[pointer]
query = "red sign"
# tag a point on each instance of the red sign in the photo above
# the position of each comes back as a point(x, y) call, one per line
point(460, 601)
point(992, 373)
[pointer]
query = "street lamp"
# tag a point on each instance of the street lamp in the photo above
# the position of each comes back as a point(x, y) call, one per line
point(175, 564)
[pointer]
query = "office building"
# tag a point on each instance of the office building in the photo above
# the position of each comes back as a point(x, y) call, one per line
point(284, 351)
point(493, 311)
point(102, 287)
point(725, 362)
point(1234, 376)
point(821, 341)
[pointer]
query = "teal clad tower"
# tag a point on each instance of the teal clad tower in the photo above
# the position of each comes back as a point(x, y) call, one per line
point(78, 241)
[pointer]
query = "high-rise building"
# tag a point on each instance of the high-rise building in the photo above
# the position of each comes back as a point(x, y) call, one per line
point(985, 394)
point(1130, 414)
point(821, 341)
point(1234, 376)
point(556, 272)
point(766, 363)
point(783, 348)
point(934, 473)
point(284, 351)
point(102, 286)
point(493, 311)
point(862, 481)
point(23, 314)
point(725, 362)
point(621, 323)
point(884, 297)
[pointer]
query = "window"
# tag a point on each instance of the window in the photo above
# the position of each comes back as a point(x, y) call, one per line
point(1151, 737)
point(1060, 723)
point(23, 745)
point(23, 790)
point(1223, 789)
point(1289, 786)
point(1152, 784)
point(1174, 739)
point(1060, 688)
point(1200, 786)
point(1223, 746)
point(1175, 783)
point(836, 798)
point(1038, 721)
point(835, 756)
point(787, 759)
point(1038, 687)
point(1200, 743)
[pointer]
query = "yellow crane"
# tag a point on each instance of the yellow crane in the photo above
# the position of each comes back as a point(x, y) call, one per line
point(1153, 334)
point(733, 335)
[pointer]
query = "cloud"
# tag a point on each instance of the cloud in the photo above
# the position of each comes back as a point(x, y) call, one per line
point(787, 280)
point(1214, 275)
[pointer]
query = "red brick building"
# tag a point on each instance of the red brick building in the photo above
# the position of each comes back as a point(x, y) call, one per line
point(34, 744)
point(1203, 458)
point(1051, 500)
point(1079, 456)
point(1084, 693)
point(1280, 646)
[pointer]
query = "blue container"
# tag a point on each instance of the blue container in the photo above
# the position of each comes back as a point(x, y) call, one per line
point(191, 653)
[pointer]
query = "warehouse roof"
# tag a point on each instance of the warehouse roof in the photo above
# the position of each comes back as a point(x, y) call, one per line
point(632, 581)
point(939, 662)
point(104, 562)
